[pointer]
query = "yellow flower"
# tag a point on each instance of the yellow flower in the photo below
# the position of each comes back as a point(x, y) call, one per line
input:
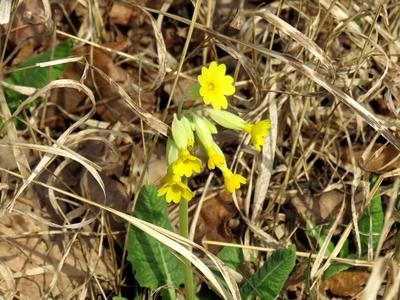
point(215, 85)
point(174, 189)
point(186, 164)
point(232, 181)
point(215, 159)
point(258, 131)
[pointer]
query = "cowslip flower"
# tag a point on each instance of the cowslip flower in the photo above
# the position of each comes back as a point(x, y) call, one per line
point(215, 85)
point(186, 164)
point(174, 189)
point(232, 181)
point(172, 151)
point(258, 131)
point(216, 157)
point(204, 132)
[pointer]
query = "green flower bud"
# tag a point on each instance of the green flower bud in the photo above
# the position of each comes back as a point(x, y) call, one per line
point(203, 132)
point(210, 126)
point(226, 119)
point(189, 131)
point(172, 152)
point(179, 133)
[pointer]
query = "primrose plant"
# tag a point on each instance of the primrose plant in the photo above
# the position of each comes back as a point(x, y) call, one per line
point(196, 127)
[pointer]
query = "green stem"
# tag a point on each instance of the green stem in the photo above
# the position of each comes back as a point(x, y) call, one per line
point(184, 231)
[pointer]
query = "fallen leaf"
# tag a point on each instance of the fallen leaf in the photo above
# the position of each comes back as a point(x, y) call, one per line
point(30, 24)
point(324, 207)
point(24, 53)
point(110, 107)
point(296, 282)
point(383, 158)
point(346, 283)
point(180, 89)
point(318, 208)
point(217, 221)
point(7, 158)
point(33, 257)
point(120, 14)
point(74, 177)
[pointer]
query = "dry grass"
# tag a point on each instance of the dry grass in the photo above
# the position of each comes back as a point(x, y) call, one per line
point(325, 72)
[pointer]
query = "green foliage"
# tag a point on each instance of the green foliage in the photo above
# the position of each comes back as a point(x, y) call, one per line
point(268, 281)
point(316, 233)
point(153, 264)
point(119, 298)
point(232, 257)
point(337, 267)
point(371, 222)
point(37, 77)
point(192, 92)
point(370, 226)
point(334, 268)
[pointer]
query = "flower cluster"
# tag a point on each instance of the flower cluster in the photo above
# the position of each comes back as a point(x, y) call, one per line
point(197, 127)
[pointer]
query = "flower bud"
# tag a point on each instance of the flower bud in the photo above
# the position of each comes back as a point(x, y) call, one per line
point(203, 132)
point(179, 133)
point(172, 152)
point(189, 131)
point(210, 126)
point(227, 119)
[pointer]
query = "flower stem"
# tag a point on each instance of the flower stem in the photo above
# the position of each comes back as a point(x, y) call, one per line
point(184, 231)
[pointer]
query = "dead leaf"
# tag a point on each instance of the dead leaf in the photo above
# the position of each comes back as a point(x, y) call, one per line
point(7, 158)
point(324, 207)
point(180, 89)
point(216, 220)
point(32, 258)
point(110, 107)
point(330, 203)
point(24, 53)
point(30, 24)
point(73, 177)
point(392, 79)
point(346, 283)
point(318, 208)
point(120, 14)
point(383, 158)
point(297, 281)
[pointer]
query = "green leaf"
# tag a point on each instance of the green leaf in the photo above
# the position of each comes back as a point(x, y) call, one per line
point(153, 264)
point(317, 234)
point(35, 76)
point(344, 252)
point(268, 281)
point(192, 92)
point(370, 223)
point(232, 257)
point(119, 298)
point(335, 268)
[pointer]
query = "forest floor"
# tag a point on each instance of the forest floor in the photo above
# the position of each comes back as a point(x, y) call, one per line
point(87, 97)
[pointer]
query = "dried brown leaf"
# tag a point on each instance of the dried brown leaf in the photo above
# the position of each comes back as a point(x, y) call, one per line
point(346, 283)
point(120, 14)
point(216, 220)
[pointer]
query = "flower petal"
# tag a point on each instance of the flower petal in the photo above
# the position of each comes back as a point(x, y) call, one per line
point(215, 85)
